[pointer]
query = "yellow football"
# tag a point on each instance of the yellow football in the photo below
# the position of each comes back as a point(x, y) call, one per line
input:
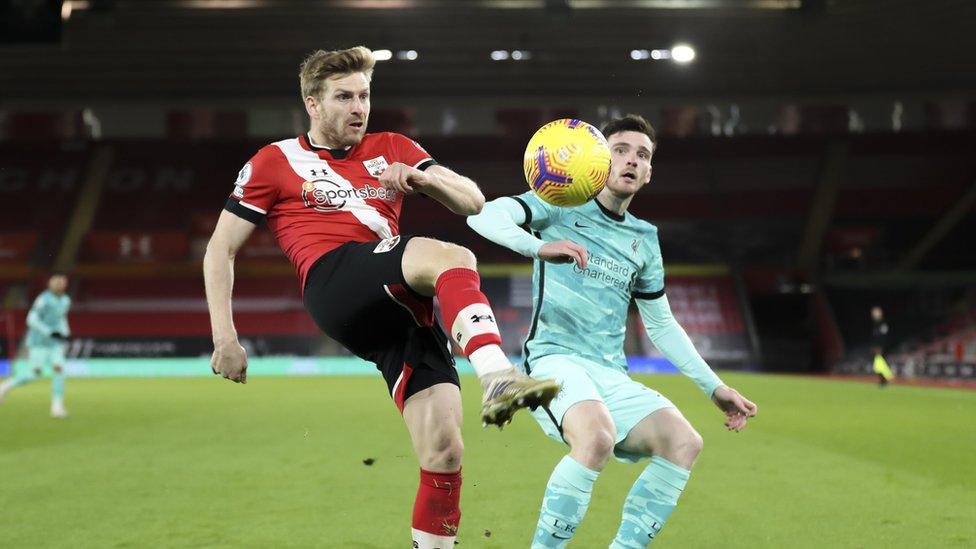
point(567, 162)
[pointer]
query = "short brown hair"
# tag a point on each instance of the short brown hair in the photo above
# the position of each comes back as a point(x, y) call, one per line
point(631, 123)
point(321, 64)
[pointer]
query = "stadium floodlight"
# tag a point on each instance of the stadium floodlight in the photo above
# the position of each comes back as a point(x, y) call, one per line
point(499, 55)
point(407, 55)
point(639, 55)
point(521, 55)
point(382, 55)
point(682, 53)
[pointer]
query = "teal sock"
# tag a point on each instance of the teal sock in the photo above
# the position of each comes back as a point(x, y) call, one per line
point(649, 503)
point(57, 385)
point(22, 379)
point(564, 504)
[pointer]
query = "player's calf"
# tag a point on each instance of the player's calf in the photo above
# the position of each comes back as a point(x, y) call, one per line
point(564, 503)
point(433, 417)
point(589, 430)
point(437, 510)
point(675, 445)
point(57, 393)
point(446, 270)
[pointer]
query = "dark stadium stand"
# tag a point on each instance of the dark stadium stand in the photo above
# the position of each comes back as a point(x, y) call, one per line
point(742, 201)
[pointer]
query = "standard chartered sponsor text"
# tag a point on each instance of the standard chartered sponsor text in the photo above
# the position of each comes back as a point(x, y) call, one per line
point(608, 271)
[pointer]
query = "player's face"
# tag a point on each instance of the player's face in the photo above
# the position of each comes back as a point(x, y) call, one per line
point(341, 112)
point(58, 284)
point(630, 162)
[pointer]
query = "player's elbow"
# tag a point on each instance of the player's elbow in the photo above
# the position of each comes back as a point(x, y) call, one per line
point(219, 249)
point(474, 204)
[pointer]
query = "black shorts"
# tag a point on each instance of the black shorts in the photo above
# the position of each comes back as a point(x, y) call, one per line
point(357, 295)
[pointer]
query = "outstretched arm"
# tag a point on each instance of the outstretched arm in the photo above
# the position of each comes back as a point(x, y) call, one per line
point(673, 342)
point(459, 194)
point(501, 222)
point(229, 358)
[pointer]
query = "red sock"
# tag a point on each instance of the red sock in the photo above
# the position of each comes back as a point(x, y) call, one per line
point(465, 310)
point(437, 509)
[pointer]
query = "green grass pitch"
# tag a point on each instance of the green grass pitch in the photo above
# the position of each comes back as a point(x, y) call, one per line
point(198, 462)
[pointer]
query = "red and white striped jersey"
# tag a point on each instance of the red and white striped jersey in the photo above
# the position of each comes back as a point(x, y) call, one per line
point(316, 199)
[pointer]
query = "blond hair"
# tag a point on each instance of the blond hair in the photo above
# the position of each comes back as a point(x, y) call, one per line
point(321, 64)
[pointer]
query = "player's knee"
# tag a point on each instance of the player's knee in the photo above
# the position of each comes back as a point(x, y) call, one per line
point(686, 446)
point(596, 447)
point(455, 257)
point(445, 454)
point(58, 369)
point(426, 259)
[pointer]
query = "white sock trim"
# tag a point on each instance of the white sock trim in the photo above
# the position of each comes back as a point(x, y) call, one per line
point(426, 540)
point(488, 360)
point(473, 320)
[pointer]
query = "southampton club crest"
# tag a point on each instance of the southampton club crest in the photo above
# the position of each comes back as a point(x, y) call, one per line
point(376, 166)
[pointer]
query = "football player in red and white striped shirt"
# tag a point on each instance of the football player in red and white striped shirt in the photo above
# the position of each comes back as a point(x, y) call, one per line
point(332, 199)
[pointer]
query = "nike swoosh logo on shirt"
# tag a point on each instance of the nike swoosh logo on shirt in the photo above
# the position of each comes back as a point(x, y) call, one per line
point(582, 226)
point(559, 537)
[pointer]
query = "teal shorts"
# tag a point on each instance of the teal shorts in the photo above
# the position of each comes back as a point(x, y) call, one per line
point(628, 401)
point(43, 358)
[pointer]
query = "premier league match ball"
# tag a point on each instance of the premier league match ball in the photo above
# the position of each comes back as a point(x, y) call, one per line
point(567, 162)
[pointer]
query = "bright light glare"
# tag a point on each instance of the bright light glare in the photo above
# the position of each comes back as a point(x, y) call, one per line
point(638, 55)
point(407, 55)
point(682, 53)
point(499, 55)
point(382, 55)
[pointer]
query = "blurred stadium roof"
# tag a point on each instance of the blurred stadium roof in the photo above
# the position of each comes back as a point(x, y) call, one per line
point(246, 49)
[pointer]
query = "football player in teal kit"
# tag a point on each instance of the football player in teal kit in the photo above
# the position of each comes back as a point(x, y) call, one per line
point(591, 261)
point(47, 331)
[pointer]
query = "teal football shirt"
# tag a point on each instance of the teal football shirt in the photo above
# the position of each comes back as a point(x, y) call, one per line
point(584, 312)
point(48, 314)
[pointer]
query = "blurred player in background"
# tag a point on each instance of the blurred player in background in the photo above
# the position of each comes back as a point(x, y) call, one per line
point(879, 334)
point(47, 331)
point(332, 198)
point(592, 261)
